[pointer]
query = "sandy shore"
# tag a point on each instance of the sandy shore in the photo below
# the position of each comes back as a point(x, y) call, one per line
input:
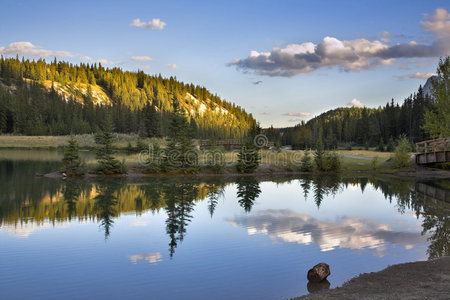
point(417, 280)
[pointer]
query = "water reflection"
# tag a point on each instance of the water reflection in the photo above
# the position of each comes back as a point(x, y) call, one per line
point(27, 202)
point(247, 192)
point(346, 232)
point(151, 258)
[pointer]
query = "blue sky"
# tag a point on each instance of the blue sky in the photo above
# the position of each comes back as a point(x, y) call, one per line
point(340, 50)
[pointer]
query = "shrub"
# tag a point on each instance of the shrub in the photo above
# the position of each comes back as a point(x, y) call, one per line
point(332, 162)
point(374, 163)
point(401, 154)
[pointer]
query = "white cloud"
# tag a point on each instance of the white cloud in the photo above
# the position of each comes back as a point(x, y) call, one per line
point(294, 120)
point(138, 223)
point(417, 75)
point(27, 48)
point(86, 58)
point(105, 61)
point(172, 66)
point(266, 113)
point(297, 114)
point(355, 103)
point(439, 23)
point(152, 258)
point(347, 55)
point(153, 24)
point(141, 58)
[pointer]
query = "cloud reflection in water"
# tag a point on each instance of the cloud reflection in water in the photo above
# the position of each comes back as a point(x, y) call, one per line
point(346, 232)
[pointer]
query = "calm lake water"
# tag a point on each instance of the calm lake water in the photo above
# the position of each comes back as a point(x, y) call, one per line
point(210, 238)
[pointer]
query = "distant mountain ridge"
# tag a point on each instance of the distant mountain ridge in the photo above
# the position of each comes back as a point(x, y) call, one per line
point(427, 88)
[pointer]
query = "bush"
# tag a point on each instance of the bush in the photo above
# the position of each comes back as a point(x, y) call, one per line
point(381, 146)
point(155, 160)
point(390, 145)
point(332, 162)
point(374, 163)
point(401, 154)
point(140, 145)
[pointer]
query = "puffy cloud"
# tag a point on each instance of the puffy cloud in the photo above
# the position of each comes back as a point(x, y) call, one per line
point(347, 55)
point(346, 232)
point(439, 23)
point(172, 66)
point(355, 103)
point(416, 75)
point(27, 48)
point(141, 58)
point(297, 114)
point(153, 24)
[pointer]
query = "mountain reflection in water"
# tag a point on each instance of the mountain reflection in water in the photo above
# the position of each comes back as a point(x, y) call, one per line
point(25, 207)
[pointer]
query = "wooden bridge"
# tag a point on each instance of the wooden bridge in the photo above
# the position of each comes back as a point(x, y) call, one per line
point(433, 151)
point(228, 144)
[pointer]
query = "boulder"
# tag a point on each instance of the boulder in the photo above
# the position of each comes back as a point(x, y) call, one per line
point(315, 287)
point(319, 272)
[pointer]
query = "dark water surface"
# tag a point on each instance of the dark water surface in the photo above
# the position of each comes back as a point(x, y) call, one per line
point(240, 238)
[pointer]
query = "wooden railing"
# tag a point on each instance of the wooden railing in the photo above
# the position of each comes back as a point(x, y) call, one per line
point(433, 145)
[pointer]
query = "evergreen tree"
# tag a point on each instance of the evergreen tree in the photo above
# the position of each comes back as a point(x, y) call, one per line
point(72, 164)
point(249, 156)
point(180, 148)
point(306, 164)
point(437, 120)
point(319, 158)
point(107, 164)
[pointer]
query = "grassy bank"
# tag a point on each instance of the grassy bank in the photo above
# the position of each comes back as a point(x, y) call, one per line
point(85, 141)
point(284, 161)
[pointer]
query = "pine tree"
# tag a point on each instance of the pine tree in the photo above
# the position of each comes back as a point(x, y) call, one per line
point(72, 164)
point(107, 164)
point(180, 148)
point(3, 119)
point(249, 156)
point(437, 121)
point(319, 155)
point(306, 164)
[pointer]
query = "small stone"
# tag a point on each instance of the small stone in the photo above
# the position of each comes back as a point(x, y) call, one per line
point(319, 272)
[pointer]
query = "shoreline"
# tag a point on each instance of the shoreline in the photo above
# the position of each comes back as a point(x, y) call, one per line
point(136, 172)
point(414, 280)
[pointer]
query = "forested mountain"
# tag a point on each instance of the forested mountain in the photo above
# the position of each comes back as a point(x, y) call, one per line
point(57, 98)
point(364, 126)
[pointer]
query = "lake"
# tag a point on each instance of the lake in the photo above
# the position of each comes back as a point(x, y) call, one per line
point(205, 238)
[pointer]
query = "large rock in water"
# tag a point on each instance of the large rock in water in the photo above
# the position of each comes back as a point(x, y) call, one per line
point(319, 272)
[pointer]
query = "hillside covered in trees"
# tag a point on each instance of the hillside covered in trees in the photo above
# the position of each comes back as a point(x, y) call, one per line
point(59, 98)
point(421, 116)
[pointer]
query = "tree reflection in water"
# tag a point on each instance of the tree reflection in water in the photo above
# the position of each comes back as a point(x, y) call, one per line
point(42, 200)
point(248, 192)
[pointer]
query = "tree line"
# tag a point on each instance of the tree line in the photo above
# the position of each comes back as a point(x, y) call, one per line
point(31, 102)
point(420, 117)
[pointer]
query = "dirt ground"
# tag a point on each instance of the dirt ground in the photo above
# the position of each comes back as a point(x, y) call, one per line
point(417, 280)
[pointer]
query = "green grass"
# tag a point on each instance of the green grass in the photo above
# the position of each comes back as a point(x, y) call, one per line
point(85, 141)
point(275, 161)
